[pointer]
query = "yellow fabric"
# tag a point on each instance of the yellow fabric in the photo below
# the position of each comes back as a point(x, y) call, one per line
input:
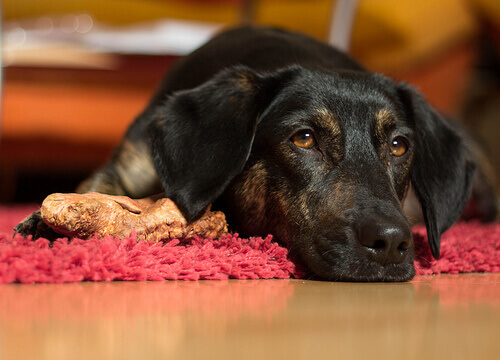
point(388, 34)
point(125, 11)
point(401, 34)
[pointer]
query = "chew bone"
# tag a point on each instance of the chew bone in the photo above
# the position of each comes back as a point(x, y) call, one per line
point(86, 215)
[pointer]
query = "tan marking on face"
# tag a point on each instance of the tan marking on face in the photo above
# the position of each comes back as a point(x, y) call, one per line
point(328, 119)
point(384, 119)
point(324, 113)
point(287, 220)
point(303, 199)
point(331, 125)
point(252, 194)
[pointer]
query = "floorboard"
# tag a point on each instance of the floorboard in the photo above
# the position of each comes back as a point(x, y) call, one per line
point(435, 317)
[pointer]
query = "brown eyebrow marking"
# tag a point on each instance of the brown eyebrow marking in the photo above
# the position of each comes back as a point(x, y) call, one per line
point(384, 120)
point(327, 119)
point(330, 123)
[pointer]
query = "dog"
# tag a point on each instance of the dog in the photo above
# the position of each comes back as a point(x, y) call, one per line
point(291, 137)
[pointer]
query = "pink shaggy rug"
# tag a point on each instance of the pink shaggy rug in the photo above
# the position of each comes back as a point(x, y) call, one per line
point(466, 247)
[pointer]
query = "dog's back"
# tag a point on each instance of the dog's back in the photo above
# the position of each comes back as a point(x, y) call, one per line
point(260, 49)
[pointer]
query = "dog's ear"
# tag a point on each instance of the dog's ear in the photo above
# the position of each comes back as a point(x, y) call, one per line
point(441, 172)
point(201, 138)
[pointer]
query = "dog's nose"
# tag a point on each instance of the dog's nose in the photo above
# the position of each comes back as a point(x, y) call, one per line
point(385, 242)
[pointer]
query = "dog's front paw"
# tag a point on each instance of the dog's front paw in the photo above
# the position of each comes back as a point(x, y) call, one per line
point(35, 226)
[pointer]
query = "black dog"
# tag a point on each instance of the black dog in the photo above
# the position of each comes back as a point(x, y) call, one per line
point(291, 137)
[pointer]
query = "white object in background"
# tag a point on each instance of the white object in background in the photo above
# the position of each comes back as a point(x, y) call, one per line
point(167, 37)
point(341, 24)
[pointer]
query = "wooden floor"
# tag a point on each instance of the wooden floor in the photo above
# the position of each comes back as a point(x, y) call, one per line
point(443, 317)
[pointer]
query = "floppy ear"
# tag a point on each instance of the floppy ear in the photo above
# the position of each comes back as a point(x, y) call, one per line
point(201, 138)
point(441, 172)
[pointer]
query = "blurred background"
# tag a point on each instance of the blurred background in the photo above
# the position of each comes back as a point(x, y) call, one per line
point(75, 73)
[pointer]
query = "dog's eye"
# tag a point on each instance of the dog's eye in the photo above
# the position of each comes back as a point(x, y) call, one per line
point(304, 139)
point(398, 146)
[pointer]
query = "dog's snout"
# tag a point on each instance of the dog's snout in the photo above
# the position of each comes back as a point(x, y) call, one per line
point(385, 242)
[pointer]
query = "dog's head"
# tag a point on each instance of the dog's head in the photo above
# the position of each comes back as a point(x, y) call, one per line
point(321, 160)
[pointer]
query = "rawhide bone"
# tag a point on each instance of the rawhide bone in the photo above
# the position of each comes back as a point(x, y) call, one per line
point(87, 215)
